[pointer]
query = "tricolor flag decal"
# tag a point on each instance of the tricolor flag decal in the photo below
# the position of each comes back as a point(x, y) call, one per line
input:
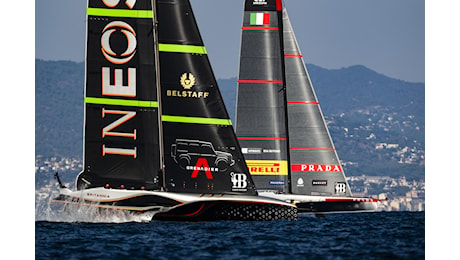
point(260, 18)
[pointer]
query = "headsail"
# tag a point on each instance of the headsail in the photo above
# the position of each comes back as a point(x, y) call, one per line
point(315, 165)
point(261, 112)
point(121, 109)
point(202, 154)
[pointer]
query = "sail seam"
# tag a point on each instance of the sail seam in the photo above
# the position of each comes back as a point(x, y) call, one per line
point(303, 102)
point(313, 149)
point(259, 81)
point(119, 13)
point(163, 47)
point(120, 102)
point(196, 120)
point(261, 138)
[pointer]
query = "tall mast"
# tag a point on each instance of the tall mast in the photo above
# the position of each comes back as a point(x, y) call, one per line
point(286, 116)
point(158, 83)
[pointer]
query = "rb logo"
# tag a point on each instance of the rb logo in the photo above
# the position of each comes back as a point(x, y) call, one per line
point(239, 180)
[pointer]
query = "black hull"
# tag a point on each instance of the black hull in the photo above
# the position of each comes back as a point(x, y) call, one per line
point(170, 206)
point(229, 210)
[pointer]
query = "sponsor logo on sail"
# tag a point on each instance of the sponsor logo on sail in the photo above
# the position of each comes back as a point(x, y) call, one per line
point(113, 3)
point(340, 187)
point(276, 182)
point(130, 35)
point(319, 182)
point(200, 156)
point(267, 167)
point(251, 150)
point(239, 181)
point(202, 165)
point(300, 182)
point(259, 2)
point(113, 73)
point(259, 150)
point(315, 168)
point(187, 81)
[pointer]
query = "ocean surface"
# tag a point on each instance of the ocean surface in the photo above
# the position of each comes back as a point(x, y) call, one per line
point(377, 235)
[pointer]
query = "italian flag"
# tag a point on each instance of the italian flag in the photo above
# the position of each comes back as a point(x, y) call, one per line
point(260, 18)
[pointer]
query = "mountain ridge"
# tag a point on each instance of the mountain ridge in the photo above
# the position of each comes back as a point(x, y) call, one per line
point(364, 111)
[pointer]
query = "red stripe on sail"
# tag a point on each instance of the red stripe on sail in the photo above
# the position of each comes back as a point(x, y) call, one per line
point(259, 28)
point(303, 102)
point(258, 81)
point(293, 55)
point(314, 149)
point(261, 138)
point(279, 5)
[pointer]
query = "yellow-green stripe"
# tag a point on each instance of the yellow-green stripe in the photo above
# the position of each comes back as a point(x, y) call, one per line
point(119, 13)
point(196, 120)
point(163, 47)
point(120, 102)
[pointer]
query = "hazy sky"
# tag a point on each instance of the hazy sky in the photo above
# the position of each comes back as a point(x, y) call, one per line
point(386, 36)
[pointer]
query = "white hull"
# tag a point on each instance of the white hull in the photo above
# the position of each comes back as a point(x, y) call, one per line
point(324, 204)
point(180, 206)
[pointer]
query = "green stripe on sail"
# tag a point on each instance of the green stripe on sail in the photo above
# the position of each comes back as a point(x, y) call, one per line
point(181, 48)
point(120, 13)
point(120, 102)
point(196, 120)
point(253, 19)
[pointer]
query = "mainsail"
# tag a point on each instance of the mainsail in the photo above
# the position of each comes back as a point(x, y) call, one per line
point(121, 109)
point(280, 125)
point(261, 107)
point(202, 153)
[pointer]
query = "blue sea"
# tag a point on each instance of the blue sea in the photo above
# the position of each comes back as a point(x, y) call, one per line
point(376, 235)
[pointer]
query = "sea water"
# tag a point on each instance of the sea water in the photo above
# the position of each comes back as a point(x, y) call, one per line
point(377, 235)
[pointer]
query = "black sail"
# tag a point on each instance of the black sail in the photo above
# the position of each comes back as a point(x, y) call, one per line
point(202, 154)
point(314, 163)
point(261, 112)
point(121, 110)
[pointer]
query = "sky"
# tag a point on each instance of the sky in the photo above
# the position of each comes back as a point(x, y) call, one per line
point(385, 36)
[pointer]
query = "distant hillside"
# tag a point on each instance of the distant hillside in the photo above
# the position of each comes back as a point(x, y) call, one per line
point(59, 88)
point(376, 122)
